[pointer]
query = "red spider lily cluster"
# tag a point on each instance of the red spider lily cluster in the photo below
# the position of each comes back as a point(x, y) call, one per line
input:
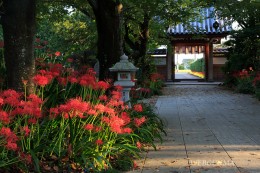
point(94, 117)
point(247, 81)
point(139, 93)
point(242, 74)
point(156, 76)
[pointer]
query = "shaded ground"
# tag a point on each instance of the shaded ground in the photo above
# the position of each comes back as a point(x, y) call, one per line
point(210, 129)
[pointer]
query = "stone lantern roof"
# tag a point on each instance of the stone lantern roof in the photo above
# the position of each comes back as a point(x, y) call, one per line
point(124, 65)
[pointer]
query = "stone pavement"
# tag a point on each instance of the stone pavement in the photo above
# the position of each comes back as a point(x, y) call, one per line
point(210, 130)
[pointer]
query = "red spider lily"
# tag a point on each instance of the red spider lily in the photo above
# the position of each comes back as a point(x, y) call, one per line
point(32, 120)
point(1, 101)
point(5, 131)
point(10, 97)
point(35, 100)
point(118, 88)
point(92, 112)
point(70, 60)
point(116, 95)
point(115, 103)
point(101, 98)
point(72, 79)
point(243, 74)
point(56, 67)
point(127, 130)
point(42, 72)
point(24, 82)
point(41, 80)
point(27, 158)
point(135, 165)
point(110, 111)
point(139, 121)
point(4, 117)
point(26, 130)
point(74, 107)
point(100, 108)
point(99, 142)
point(156, 76)
point(145, 90)
point(89, 127)
point(139, 145)
point(125, 117)
point(11, 146)
point(91, 72)
point(103, 85)
point(62, 81)
point(138, 108)
point(97, 128)
point(30, 107)
point(105, 120)
point(116, 124)
point(57, 53)
point(87, 80)
point(10, 137)
point(10, 93)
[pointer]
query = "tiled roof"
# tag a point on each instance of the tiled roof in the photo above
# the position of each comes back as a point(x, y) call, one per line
point(201, 27)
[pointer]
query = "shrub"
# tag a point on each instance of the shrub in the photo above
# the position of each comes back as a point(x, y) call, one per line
point(156, 83)
point(256, 84)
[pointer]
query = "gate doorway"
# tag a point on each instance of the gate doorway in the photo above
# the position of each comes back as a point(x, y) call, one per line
point(189, 63)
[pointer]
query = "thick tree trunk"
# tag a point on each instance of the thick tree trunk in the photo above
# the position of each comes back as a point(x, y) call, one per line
point(18, 23)
point(108, 21)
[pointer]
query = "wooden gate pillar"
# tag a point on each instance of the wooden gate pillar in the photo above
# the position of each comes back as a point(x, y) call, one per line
point(169, 62)
point(209, 62)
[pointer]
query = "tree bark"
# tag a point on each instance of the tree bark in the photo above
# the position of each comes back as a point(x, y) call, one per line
point(18, 23)
point(108, 22)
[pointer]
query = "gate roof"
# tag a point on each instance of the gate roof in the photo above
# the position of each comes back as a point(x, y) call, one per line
point(201, 27)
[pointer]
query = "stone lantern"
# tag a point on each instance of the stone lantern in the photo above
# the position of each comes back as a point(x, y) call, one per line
point(125, 70)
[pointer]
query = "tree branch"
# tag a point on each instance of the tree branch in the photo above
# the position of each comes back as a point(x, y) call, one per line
point(127, 39)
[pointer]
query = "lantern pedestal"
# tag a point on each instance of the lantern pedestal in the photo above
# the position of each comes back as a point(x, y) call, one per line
point(124, 69)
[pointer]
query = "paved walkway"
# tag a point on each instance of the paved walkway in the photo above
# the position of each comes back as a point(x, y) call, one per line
point(210, 130)
point(185, 75)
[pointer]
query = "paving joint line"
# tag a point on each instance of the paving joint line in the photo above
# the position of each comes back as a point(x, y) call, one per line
point(183, 139)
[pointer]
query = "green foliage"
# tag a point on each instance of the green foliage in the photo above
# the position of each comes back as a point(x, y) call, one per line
point(65, 28)
point(146, 68)
point(244, 43)
point(181, 67)
point(198, 65)
point(256, 84)
point(245, 85)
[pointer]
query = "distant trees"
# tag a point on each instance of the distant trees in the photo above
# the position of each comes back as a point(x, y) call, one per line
point(244, 44)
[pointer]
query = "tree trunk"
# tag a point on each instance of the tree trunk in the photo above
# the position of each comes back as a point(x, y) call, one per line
point(18, 23)
point(108, 21)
